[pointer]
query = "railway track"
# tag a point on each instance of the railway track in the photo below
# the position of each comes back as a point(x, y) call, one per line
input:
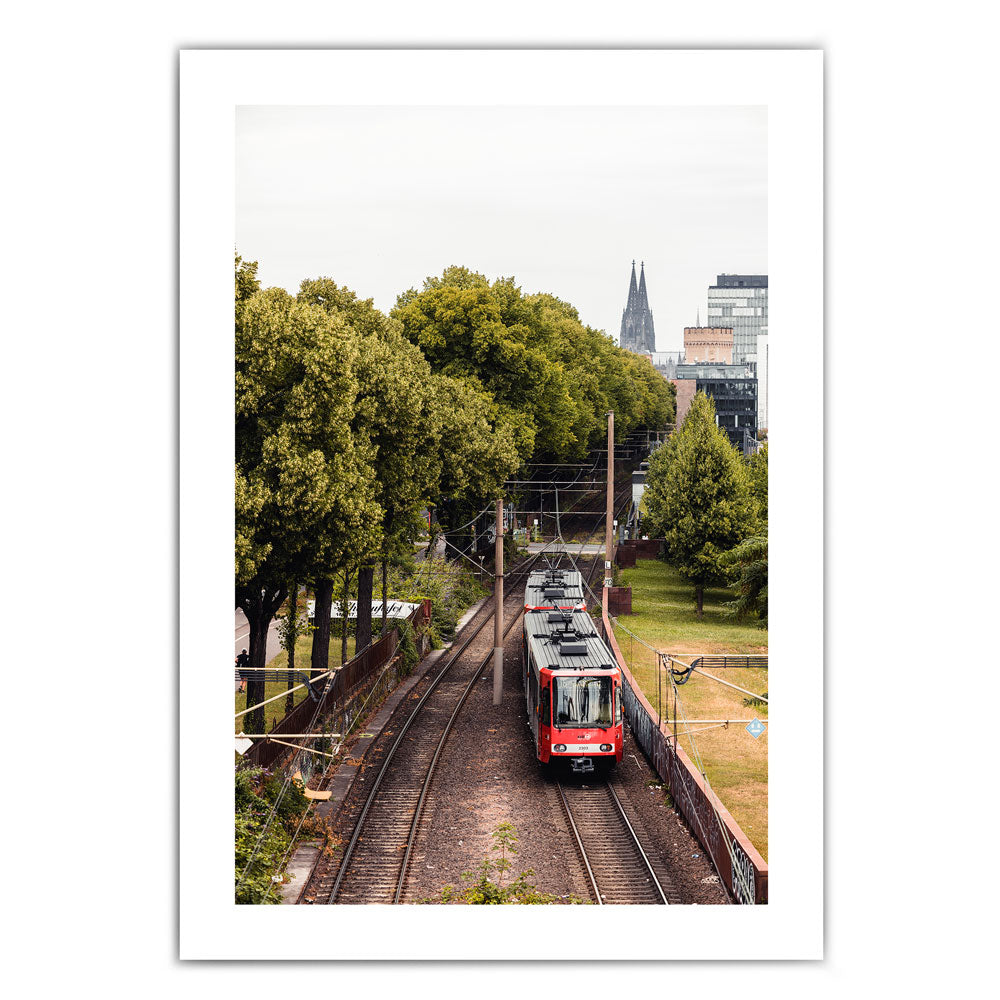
point(375, 863)
point(619, 870)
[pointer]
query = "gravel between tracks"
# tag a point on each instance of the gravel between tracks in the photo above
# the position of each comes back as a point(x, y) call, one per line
point(488, 774)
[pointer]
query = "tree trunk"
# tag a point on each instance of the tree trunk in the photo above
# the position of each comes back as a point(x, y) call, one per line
point(321, 637)
point(258, 657)
point(344, 608)
point(363, 630)
point(293, 611)
point(259, 605)
point(699, 593)
point(385, 604)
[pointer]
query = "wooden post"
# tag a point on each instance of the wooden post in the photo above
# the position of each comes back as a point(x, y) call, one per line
point(609, 525)
point(498, 612)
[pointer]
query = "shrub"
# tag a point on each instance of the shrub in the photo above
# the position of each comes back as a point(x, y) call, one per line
point(407, 647)
point(450, 586)
point(259, 846)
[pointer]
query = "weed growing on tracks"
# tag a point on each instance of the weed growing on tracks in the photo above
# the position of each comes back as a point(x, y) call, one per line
point(486, 884)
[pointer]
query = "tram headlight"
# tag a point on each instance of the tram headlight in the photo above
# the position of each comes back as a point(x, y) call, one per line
point(606, 748)
point(559, 748)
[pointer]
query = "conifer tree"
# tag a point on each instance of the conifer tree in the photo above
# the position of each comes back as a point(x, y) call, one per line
point(757, 467)
point(698, 497)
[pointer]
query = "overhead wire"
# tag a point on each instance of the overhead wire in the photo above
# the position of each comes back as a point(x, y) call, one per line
point(359, 715)
point(288, 770)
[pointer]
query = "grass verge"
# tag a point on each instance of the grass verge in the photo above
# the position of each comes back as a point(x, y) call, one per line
point(664, 616)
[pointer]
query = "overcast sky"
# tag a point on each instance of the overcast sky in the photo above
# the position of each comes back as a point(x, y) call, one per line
point(561, 198)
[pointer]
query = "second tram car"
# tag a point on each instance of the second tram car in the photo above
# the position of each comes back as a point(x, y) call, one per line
point(572, 690)
point(554, 589)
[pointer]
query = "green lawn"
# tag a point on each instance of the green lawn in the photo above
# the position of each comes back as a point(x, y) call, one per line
point(303, 650)
point(665, 617)
point(664, 606)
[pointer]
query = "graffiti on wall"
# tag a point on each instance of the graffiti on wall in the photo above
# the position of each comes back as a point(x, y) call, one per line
point(745, 880)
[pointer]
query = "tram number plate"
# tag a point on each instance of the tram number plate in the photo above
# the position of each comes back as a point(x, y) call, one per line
point(582, 748)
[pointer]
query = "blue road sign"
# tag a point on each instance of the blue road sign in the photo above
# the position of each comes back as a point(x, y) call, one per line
point(755, 728)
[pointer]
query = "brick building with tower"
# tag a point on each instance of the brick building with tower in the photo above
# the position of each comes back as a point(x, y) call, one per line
point(710, 344)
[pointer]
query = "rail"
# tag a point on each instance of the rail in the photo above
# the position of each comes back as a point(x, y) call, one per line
point(391, 754)
point(621, 880)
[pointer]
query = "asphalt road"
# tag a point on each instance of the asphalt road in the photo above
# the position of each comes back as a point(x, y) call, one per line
point(243, 637)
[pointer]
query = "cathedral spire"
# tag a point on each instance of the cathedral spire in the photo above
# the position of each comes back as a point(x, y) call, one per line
point(643, 303)
point(637, 320)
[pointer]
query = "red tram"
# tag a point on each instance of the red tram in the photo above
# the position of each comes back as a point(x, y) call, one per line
point(571, 681)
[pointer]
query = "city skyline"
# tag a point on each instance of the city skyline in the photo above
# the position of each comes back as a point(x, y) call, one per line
point(563, 199)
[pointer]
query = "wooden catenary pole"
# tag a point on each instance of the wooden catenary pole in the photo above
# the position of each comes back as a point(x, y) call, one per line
point(609, 525)
point(498, 612)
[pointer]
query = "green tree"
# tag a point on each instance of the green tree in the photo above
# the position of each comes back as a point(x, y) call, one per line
point(397, 415)
point(698, 497)
point(263, 837)
point(750, 556)
point(757, 467)
point(552, 378)
point(246, 278)
point(304, 488)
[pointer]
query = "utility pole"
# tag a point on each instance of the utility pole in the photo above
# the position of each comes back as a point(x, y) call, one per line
point(609, 524)
point(498, 612)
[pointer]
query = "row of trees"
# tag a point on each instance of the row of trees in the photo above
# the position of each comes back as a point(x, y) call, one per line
point(343, 433)
point(552, 378)
point(349, 422)
point(710, 506)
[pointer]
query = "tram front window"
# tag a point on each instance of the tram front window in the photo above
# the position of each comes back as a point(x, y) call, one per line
point(582, 701)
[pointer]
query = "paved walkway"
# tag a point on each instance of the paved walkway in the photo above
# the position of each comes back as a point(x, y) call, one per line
point(243, 642)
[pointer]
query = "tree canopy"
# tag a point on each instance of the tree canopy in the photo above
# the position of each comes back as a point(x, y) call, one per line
point(349, 422)
point(433, 435)
point(305, 489)
point(757, 468)
point(552, 378)
point(750, 558)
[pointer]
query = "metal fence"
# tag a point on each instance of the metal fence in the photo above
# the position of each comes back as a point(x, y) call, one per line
point(347, 681)
point(740, 866)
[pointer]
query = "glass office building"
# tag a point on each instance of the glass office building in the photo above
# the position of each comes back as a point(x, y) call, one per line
point(734, 391)
point(735, 407)
point(740, 301)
